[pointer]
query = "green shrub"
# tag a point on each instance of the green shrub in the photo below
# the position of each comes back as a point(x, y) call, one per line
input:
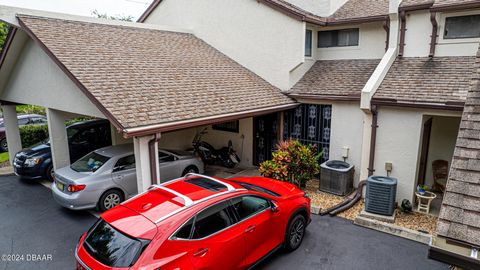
point(30, 109)
point(79, 119)
point(292, 162)
point(33, 134)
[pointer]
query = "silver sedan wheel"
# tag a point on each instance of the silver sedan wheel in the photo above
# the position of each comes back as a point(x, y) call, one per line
point(111, 200)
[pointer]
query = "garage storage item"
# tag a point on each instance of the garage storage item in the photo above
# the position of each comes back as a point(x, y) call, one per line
point(381, 195)
point(336, 177)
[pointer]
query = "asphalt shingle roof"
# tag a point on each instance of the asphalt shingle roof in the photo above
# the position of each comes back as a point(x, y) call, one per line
point(144, 77)
point(336, 77)
point(460, 212)
point(361, 9)
point(451, 2)
point(428, 80)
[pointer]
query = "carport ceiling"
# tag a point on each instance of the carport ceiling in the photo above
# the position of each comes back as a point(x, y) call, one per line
point(149, 80)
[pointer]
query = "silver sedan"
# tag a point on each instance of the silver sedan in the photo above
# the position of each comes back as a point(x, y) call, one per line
point(105, 177)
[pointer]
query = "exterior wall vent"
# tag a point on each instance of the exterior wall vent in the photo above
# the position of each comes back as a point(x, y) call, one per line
point(336, 177)
point(381, 195)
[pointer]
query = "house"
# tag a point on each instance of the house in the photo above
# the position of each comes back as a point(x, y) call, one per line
point(382, 84)
point(155, 85)
point(390, 77)
point(357, 61)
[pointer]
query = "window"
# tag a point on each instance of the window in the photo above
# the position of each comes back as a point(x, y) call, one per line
point(125, 163)
point(86, 136)
point(89, 163)
point(247, 206)
point(113, 248)
point(257, 188)
point(462, 27)
point(308, 43)
point(23, 121)
point(39, 120)
point(212, 220)
point(338, 38)
point(184, 231)
point(228, 126)
point(164, 157)
point(206, 183)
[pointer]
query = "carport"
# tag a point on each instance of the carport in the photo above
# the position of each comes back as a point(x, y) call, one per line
point(146, 80)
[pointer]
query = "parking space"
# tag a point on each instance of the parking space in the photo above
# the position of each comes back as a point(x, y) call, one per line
point(336, 244)
point(33, 225)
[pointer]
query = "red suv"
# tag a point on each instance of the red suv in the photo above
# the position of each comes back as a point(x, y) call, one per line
point(198, 222)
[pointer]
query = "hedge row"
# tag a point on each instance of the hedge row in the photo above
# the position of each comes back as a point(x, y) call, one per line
point(33, 134)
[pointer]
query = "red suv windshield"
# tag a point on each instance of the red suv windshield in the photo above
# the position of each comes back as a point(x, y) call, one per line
point(111, 247)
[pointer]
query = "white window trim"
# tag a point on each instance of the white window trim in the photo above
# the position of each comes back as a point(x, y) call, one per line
point(442, 24)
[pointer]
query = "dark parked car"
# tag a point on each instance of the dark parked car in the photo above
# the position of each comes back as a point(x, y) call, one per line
point(83, 137)
point(22, 120)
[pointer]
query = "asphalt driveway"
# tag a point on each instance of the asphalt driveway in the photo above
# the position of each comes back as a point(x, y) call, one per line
point(33, 225)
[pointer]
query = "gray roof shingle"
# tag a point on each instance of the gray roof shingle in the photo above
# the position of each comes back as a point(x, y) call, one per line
point(145, 77)
point(408, 3)
point(336, 77)
point(362, 9)
point(460, 212)
point(452, 2)
point(428, 80)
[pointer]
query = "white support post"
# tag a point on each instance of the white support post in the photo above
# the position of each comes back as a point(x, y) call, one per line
point(11, 130)
point(58, 138)
point(142, 162)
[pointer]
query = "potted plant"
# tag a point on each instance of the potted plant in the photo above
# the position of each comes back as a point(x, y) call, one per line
point(421, 189)
point(292, 162)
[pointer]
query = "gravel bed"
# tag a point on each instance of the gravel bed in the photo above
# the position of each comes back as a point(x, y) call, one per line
point(414, 221)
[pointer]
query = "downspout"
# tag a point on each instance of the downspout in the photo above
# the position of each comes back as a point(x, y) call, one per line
point(386, 26)
point(403, 25)
point(373, 141)
point(433, 42)
point(153, 158)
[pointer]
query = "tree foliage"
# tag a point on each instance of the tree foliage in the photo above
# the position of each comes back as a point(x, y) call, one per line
point(3, 34)
point(126, 18)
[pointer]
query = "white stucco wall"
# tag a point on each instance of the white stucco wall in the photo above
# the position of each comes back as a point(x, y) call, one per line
point(399, 142)
point(346, 130)
point(318, 7)
point(242, 141)
point(371, 44)
point(258, 37)
point(180, 140)
point(35, 79)
point(442, 142)
point(419, 30)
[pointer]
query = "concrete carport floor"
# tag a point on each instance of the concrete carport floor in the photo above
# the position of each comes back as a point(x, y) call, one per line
point(32, 223)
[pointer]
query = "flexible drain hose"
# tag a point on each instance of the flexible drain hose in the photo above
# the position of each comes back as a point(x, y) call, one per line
point(348, 203)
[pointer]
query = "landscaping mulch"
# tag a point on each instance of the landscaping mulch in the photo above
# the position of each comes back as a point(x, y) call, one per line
point(414, 221)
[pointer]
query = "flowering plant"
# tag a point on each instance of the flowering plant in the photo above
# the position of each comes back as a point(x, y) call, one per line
point(292, 162)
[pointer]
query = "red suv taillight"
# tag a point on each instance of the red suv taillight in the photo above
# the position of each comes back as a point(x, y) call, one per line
point(76, 188)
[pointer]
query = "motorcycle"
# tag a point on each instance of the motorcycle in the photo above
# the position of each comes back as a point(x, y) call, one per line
point(225, 156)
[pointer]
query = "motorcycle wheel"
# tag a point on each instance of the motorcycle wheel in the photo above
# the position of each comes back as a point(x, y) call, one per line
point(228, 163)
